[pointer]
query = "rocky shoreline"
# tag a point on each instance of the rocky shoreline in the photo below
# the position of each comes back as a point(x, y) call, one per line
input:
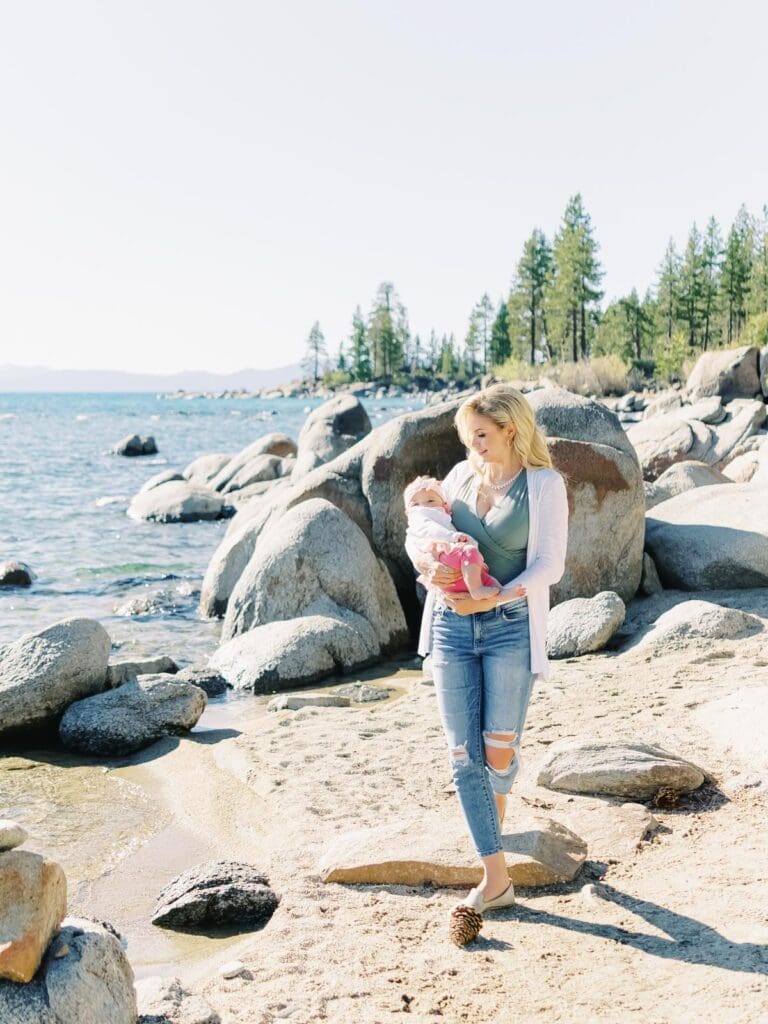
point(665, 585)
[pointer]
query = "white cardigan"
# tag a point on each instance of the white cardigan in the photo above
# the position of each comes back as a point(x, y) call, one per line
point(545, 561)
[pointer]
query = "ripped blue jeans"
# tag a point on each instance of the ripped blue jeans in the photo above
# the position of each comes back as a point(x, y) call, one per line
point(483, 680)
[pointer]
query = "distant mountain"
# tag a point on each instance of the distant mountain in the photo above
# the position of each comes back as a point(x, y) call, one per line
point(42, 378)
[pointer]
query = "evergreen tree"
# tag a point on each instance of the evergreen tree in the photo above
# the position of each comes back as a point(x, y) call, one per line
point(359, 352)
point(736, 274)
point(668, 290)
point(387, 331)
point(500, 344)
point(315, 351)
point(482, 315)
point(575, 289)
point(691, 290)
point(341, 359)
point(432, 355)
point(531, 287)
point(447, 356)
point(758, 282)
point(472, 346)
point(711, 256)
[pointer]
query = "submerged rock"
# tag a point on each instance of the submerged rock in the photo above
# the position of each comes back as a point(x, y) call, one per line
point(16, 574)
point(85, 978)
point(133, 445)
point(133, 716)
point(42, 673)
point(216, 894)
point(178, 501)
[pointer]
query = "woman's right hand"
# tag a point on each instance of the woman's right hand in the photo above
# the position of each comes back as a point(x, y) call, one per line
point(435, 573)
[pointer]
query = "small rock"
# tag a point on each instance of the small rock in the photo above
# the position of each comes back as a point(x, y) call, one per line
point(232, 969)
point(119, 672)
point(166, 1001)
point(583, 624)
point(363, 693)
point(691, 621)
point(220, 893)
point(61, 951)
point(296, 701)
point(617, 769)
point(11, 835)
point(16, 574)
point(206, 678)
point(133, 445)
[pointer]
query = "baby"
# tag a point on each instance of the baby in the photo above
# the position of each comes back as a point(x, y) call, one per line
point(431, 529)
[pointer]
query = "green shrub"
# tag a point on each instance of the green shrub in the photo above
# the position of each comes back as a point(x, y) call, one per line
point(756, 331)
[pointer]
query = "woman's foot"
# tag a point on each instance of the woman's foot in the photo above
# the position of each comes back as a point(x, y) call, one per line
point(478, 901)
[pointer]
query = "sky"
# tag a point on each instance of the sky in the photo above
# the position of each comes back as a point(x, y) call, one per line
point(191, 185)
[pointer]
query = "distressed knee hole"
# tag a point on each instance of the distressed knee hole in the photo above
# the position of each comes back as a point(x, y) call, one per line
point(500, 751)
point(459, 754)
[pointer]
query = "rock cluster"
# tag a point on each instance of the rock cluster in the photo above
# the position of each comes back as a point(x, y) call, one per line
point(54, 969)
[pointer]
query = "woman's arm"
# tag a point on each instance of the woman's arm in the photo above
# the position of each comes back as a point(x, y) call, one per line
point(549, 565)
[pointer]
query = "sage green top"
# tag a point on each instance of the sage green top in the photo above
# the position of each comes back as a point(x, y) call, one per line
point(501, 534)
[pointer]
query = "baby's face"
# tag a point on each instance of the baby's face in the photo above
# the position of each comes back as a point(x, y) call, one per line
point(428, 499)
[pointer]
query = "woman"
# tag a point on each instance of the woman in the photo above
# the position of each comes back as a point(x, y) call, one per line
point(487, 653)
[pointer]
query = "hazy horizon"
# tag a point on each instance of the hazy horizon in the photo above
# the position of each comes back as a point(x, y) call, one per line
point(187, 186)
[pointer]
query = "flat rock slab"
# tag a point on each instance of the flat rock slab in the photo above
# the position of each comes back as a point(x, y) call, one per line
point(220, 893)
point(618, 769)
point(611, 831)
point(583, 624)
point(296, 701)
point(33, 902)
point(119, 672)
point(85, 978)
point(436, 850)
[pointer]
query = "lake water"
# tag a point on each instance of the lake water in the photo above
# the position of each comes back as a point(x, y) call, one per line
point(63, 504)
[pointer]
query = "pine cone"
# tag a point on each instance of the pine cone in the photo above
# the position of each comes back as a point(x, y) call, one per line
point(465, 925)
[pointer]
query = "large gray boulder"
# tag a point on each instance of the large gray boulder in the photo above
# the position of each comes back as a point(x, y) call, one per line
point(231, 557)
point(682, 477)
point(133, 445)
point(605, 494)
point(85, 978)
point(329, 430)
point(259, 469)
point(315, 560)
point(42, 673)
point(165, 477)
point(692, 621)
point(297, 652)
point(205, 467)
point(216, 894)
point(177, 501)
point(623, 768)
point(583, 624)
point(133, 716)
point(729, 373)
point(660, 442)
point(743, 419)
point(711, 538)
point(270, 444)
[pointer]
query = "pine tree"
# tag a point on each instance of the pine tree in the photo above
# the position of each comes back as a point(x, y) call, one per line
point(736, 274)
point(387, 332)
point(531, 287)
point(575, 288)
point(359, 352)
point(482, 315)
point(315, 351)
point(691, 292)
point(668, 290)
point(472, 346)
point(500, 344)
point(758, 282)
point(711, 255)
point(432, 355)
point(447, 356)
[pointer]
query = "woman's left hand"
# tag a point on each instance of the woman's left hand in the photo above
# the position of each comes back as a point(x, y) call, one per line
point(464, 604)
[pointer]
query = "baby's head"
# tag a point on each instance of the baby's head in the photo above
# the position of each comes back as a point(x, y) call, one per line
point(424, 492)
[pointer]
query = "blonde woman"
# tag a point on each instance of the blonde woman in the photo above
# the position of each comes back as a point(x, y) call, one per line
point(487, 653)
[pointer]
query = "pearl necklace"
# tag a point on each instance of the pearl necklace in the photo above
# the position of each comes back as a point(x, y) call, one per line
point(502, 485)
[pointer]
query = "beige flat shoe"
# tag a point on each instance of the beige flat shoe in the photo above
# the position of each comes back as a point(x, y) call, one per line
point(476, 901)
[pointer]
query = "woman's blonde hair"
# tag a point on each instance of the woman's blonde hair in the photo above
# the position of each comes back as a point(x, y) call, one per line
point(505, 405)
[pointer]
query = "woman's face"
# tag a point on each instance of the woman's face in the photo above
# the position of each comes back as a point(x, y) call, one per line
point(490, 442)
